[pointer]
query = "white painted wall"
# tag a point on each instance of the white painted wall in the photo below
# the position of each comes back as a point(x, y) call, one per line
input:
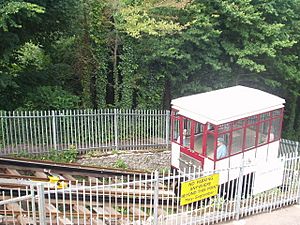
point(175, 154)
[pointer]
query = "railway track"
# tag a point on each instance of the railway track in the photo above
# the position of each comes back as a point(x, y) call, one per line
point(68, 169)
point(102, 196)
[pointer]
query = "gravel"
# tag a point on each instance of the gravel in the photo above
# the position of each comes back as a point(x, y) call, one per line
point(137, 160)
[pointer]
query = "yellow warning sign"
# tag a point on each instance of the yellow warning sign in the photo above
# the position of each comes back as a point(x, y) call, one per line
point(198, 189)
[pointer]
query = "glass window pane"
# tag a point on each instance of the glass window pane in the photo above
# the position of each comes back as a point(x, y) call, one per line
point(252, 120)
point(199, 128)
point(175, 131)
point(237, 141)
point(198, 137)
point(187, 127)
point(222, 142)
point(250, 136)
point(265, 116)
point(275, 129)
point(186, 132)
point(224, 127)
point(263, 132)
point(175, 126)
point(238, 124)
point(276, 112)
point(210, 146)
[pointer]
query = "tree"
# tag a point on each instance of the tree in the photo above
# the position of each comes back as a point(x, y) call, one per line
point(13, 16)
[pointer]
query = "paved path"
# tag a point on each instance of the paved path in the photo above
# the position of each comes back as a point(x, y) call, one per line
point(286, 216)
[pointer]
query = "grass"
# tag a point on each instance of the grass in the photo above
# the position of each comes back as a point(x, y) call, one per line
point(65, 156)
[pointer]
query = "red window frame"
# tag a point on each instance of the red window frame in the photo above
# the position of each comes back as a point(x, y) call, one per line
point(246, 125)
point(189, 150)
point(174, 118)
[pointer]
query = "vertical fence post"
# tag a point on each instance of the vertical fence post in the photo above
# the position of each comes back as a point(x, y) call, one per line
point(167, 127)
point(155, 204)
point(41, 204)
point(54, 129)
point(239, 192)
point(298, 191)
point(116, 127)
point(33, 204)
point(2, 134)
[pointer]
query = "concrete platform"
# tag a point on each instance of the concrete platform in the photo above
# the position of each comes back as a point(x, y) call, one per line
point(289, 215)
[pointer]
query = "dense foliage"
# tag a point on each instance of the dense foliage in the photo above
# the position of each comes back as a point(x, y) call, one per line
point(141, 54)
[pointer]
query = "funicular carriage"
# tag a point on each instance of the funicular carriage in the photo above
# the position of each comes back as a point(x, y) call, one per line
point(246, 121)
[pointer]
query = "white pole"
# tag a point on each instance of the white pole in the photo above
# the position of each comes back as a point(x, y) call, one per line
point(167, 127)
point(54, 129)
point(239, 192)
point(116, 127)
point(41, 204)
point(155, 206)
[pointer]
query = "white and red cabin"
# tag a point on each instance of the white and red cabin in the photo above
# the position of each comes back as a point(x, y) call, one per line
point(249, 120)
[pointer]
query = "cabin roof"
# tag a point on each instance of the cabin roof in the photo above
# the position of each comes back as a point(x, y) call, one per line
point(225, 105)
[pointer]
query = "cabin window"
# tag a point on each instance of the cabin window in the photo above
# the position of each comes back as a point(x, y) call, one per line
point(250, 137)
point(237, 141)
point(250, 132)
point(175, 118)
point(265, 116)
point(187, 132)
point(192, 135)
point(238, 136)
point(276, 113)
point(263, 132)
point(238, 124)
point(224, 127)
point(275, 129)
point(187, 126)
point(210, 140)
point(198, 137)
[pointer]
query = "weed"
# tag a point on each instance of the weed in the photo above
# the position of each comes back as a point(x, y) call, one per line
point(66, 156)
point(164, 170)
point(115, 152)
point(120, 164)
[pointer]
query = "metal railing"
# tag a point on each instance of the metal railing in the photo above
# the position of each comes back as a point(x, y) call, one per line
point(288, 147)
point(42, 131)
point(153, 199)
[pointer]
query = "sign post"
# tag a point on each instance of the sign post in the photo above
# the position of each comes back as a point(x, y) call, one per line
point(198, 189)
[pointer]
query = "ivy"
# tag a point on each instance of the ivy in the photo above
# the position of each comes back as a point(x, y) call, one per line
point(128, 67)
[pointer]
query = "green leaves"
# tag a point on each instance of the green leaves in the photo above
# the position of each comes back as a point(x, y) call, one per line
point(32, 55)
point(10, 9)
point(143, 53)
point(136, 20)
point(241, 11)
point(50, 97)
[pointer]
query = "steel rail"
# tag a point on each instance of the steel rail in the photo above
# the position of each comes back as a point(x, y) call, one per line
point(70, 168)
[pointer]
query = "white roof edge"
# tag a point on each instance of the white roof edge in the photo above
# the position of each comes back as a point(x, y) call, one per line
point(204, 120)
point(237, 102)
point(193, 115)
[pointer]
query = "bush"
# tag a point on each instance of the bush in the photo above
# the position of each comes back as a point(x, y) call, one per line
point(50, 97)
